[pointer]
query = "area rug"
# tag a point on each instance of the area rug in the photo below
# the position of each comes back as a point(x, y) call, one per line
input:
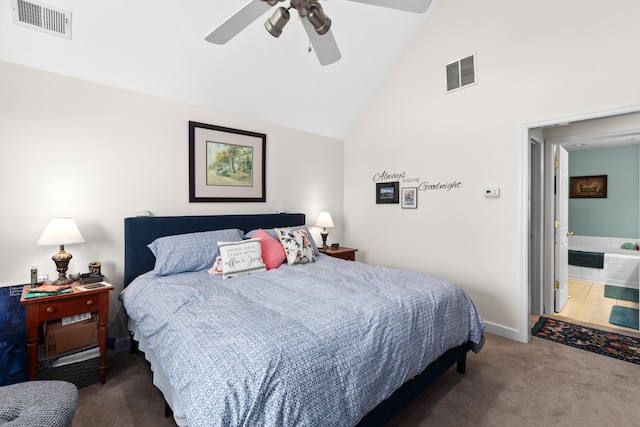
point(619, 292)
point(595, 340)
point(624, 316)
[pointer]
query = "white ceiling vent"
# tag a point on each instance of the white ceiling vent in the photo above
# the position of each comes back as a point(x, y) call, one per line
point(41, 17)
point(461, 73)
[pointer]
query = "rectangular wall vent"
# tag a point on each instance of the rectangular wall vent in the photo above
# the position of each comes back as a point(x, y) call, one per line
point(41, 17)
point(461, 73)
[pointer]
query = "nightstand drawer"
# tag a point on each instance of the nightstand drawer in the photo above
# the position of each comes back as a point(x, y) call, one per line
point(68, 307)
point(341, 252)
point(349, 256)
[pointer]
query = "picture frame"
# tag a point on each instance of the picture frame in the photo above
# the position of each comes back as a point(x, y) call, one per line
point(409, 198)
point(226, 164)
point(387, 192)
point(588, 187)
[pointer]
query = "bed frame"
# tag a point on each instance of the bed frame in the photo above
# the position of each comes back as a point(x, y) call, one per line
point(138, 259)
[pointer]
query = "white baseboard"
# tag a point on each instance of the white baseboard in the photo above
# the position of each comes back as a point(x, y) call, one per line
point(505, 331)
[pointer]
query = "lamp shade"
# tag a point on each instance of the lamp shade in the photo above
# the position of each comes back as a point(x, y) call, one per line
point(61, 231)
point(324, 220)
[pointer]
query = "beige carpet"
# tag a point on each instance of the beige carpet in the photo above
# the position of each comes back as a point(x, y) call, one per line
point(506, 384)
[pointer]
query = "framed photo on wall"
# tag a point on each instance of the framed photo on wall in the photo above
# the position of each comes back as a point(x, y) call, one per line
point(387, 192)
point(588, 187)
point(226, 165)
point(409, 198)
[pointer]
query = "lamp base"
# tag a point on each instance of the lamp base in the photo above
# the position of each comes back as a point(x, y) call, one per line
point(324, 235)
point(62, 280)
point(62, 259)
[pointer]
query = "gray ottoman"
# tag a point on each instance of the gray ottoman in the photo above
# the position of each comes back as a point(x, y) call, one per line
point(38, 404)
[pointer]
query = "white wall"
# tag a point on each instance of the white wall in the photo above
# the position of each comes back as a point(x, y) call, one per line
point(98, 154)
point(537, 61)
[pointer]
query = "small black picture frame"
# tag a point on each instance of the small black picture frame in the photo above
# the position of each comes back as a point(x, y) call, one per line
point(387, 192)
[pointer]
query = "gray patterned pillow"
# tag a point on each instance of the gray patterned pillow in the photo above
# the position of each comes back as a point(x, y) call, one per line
point(191, 251)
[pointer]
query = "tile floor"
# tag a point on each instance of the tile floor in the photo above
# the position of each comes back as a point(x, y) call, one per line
point(588, 304)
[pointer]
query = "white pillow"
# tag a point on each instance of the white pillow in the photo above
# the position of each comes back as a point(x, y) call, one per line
point(240, 258)
point(297, 245)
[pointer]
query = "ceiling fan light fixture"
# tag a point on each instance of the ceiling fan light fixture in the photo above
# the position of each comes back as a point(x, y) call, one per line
point(320, 21)
point(276, 23)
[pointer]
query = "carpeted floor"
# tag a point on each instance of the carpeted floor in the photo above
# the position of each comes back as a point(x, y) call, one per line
point(506, 384)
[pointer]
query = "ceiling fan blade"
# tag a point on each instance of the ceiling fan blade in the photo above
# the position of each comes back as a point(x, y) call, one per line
point(238, 21)
point(415, 6)
point(324, 45)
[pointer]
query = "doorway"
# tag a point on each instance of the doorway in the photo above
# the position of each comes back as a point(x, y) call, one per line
point(541, 187)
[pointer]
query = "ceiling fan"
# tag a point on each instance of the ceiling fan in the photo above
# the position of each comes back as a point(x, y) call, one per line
point(315, 22)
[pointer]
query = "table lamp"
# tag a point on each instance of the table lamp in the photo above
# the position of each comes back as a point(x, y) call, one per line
point(324, 221)
point(61, 231)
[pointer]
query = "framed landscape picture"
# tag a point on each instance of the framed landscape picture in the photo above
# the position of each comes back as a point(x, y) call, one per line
point(387, 192)
point(588, 187)
point(226, 165)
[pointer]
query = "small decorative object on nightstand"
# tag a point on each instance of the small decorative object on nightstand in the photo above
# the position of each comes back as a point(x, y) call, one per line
point(61, 231)
point(348, 254)
point(324, 221)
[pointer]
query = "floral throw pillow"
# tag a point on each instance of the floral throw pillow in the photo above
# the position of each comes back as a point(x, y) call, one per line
point(297, 245)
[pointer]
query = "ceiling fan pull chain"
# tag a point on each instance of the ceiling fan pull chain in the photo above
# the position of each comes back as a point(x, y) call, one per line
point(306, 24)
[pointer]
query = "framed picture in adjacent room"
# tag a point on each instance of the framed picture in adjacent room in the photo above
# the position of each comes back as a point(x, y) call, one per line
point(226, 165)
point(387, 192)
point(588, 187)
point(409, 198)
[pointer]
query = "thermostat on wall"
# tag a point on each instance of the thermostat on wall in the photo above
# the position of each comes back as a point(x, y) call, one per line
point(492, 192)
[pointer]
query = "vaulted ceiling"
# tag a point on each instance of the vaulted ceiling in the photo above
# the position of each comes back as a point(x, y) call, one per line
point(158, 48)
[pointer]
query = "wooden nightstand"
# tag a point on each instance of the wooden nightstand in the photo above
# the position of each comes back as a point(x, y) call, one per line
point(341, 252)
point(55, 307)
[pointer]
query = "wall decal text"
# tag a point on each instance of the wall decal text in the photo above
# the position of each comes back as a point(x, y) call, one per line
point(423, 186)
point(386, 176)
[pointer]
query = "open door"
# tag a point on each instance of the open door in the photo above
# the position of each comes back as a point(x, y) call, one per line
point(561, 248)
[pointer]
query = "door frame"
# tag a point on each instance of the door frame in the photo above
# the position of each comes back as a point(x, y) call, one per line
point(561, 228)
point(531, 236)
point(536, 221)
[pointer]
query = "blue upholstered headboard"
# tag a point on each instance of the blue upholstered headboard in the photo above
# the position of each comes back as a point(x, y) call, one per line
point(142, 230)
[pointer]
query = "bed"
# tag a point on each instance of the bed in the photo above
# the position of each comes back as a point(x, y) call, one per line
point(329, 342)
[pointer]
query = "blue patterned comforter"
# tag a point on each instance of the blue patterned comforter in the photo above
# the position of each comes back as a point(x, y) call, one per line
point(308, 345)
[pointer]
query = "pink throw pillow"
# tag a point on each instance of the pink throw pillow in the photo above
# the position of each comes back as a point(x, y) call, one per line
point(272, 251)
